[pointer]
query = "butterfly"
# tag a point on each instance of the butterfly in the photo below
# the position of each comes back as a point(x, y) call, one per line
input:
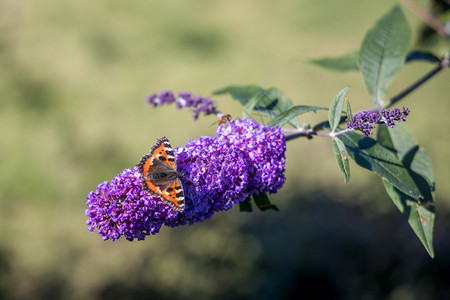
point(159, 174)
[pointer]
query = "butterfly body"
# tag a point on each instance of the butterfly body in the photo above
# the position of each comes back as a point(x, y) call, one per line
point(160, 176)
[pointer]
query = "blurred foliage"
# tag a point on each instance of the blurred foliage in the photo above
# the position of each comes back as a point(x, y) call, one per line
point(73, 82)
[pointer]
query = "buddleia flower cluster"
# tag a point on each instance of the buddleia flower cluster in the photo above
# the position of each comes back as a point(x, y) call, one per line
point(196, 103)
point(243, 158)
point(365, 121)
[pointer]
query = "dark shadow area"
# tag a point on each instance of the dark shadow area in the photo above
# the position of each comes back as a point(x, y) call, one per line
point(4, 271)
point(316, 248)
point(328, 250)
point(129, 290)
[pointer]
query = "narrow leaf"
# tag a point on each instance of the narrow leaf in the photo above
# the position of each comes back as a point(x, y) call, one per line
point(334, 114)
point(291, 113)
point(406, 173)
point(383, 53)
point(412, 157)
point(345, 63)
point(270, 102)
point(349, 110)
point(267, 102)
point(341, 157)
point(263, 202)
point(241, 93)
point(420, 213)
point(373, 156)
point(422, 56)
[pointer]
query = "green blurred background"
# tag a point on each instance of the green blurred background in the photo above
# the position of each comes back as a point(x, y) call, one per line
point(73, 82)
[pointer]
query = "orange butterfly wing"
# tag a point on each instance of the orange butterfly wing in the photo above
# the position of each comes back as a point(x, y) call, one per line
point(159, 174)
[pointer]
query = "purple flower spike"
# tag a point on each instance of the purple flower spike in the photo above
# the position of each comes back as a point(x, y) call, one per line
point(389, 117)
point(196, 103)
point(365, 121)
point(123, 208)
point(245, 157)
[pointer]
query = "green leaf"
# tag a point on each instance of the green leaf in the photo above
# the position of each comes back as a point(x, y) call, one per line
point(373, 156)
point(383, 53)
point(291, 113)
point(349, 110)
point(334, 114)
point(412, 157)
point(245, 205)
point(252, 95)
point(406, 173)
point(241, 93)
point(270, 102)
point(345, 63)
point(420, 213)
point(263, 202)
point(341, 157)
point(422, 56)
point(263, 101)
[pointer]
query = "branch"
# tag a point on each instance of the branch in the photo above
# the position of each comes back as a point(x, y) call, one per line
point(428, 18)
point(309, 132)
point(443, 64)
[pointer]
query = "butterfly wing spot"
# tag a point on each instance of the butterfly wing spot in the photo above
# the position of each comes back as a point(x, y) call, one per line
point(175, 199)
